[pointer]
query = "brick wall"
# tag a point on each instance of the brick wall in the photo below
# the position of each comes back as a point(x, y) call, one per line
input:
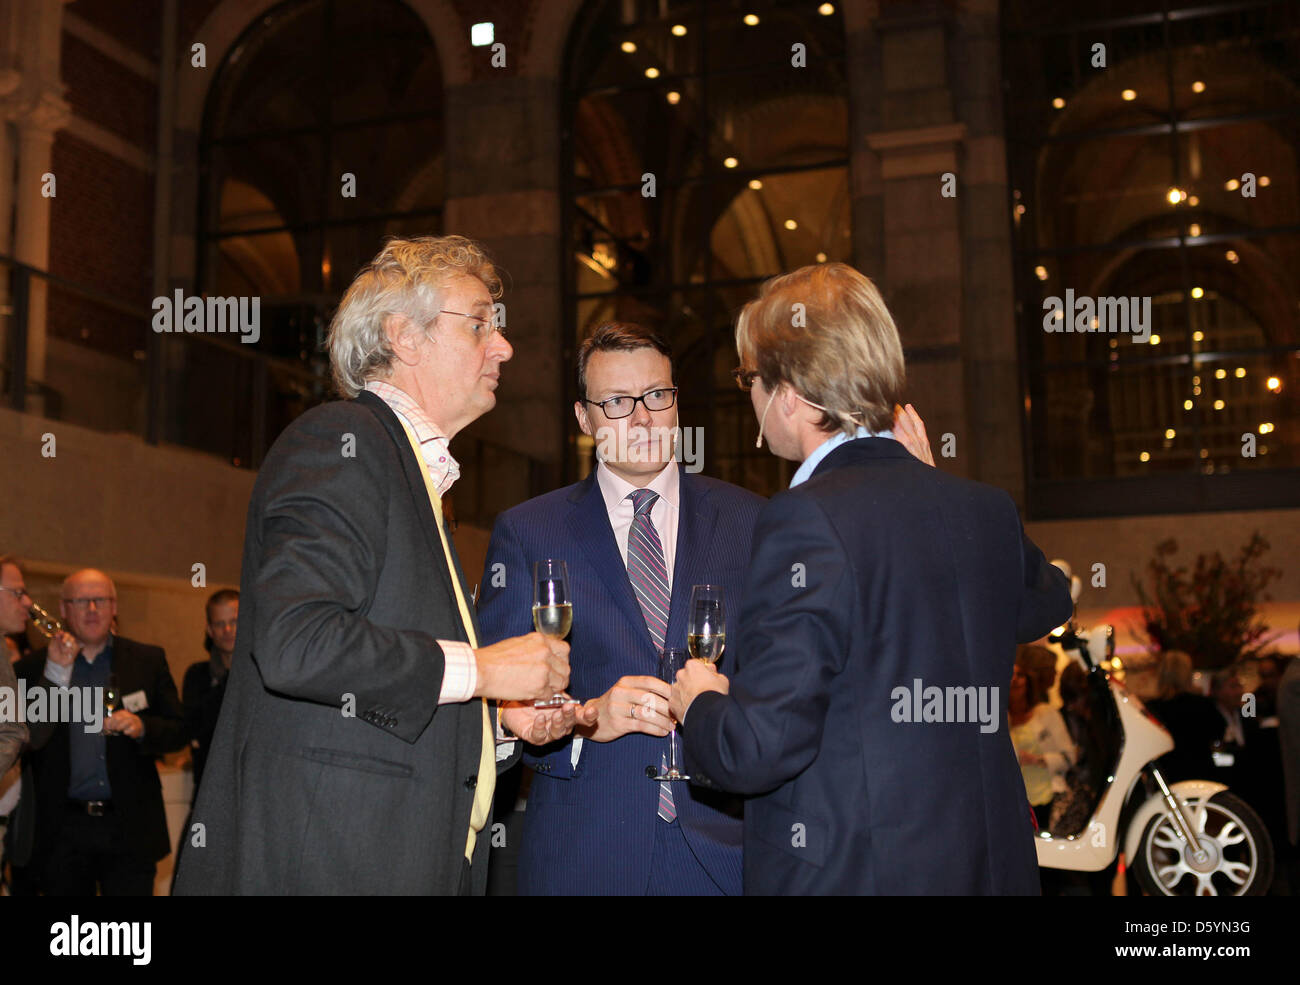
point(101, 223)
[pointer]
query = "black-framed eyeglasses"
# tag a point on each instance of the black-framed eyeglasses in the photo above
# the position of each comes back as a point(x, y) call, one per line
point(619, 407)
point(744, 377)
point(84, 604)
point(479, 322)
point(19, 593)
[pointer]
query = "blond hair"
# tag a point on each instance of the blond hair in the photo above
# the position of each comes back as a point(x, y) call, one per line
point(406, 278)
point(824, 329)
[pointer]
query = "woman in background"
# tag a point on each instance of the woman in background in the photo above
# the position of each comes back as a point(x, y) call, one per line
point(1038, 732)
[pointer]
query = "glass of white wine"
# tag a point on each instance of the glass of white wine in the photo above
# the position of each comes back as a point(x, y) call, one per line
point(552, 612)
point(706, 624)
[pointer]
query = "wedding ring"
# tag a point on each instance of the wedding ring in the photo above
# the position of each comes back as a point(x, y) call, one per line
point(631, 711)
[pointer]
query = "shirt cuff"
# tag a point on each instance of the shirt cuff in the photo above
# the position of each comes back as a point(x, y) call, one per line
point(57, 673)
point(459, 673)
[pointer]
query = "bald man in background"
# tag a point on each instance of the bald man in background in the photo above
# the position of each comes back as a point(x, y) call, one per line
point(100, 823)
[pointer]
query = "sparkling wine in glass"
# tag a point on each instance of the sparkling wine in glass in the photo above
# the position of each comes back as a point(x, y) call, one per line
point(670, 662)
point(706, 626)
point(46, 624)
point(552, 612)
point(112, 697)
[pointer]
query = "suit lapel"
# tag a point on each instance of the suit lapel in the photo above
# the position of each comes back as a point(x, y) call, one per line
point(413, 473)
point(696, 522)
point(589, 527)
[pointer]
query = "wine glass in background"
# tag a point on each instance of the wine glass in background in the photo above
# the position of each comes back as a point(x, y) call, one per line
point(112, 697)
point(46, 624)
point(552, 612)
point(706, 625)
point(670, 662)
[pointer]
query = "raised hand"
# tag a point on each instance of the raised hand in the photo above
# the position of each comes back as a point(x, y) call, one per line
point(909, 429)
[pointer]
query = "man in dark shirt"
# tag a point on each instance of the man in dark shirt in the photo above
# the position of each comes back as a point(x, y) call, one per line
point(100, 817)
point(205, 681)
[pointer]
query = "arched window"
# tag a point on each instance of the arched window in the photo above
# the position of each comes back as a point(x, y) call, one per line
point(322, 135)
point(1154, 158)
point(706, 150)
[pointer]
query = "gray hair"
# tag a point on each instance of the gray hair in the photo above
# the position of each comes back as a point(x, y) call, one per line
point(405, 278)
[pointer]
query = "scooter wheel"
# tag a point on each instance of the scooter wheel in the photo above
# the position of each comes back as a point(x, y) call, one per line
point(1237, 858)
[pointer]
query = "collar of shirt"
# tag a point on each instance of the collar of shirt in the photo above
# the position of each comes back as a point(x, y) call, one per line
point(616, 489)
point(435, 446)
point(95, 668)
point(663, 514)
point(805, 471)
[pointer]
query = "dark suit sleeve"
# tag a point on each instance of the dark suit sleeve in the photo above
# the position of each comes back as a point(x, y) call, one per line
point(1045, 601)
point(13, 733)
point(32, 670)
point(504, 611)
point(323, 528)
point(793, 640)
point(164, 721)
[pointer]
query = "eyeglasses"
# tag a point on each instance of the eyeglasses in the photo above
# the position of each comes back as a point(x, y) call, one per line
point(616, 408)
point(84, 604)
point(744, 377)
point(479, 322)
point(19, 593)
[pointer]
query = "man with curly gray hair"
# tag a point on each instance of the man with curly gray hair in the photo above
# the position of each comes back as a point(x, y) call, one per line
point(360, 738)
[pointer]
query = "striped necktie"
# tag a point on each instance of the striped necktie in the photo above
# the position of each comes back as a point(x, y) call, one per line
point(648, 573)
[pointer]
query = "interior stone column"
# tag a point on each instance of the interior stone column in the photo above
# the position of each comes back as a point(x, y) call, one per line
point(502, 189)
point(32, 220)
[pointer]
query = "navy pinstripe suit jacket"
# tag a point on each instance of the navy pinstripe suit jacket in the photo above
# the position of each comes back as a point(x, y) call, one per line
point(591, 829)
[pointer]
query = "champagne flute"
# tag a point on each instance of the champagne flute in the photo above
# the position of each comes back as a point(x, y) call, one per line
point(552, 612)
point(112, 698)
point(706, 625)
point(46, 624)
point(670, 662)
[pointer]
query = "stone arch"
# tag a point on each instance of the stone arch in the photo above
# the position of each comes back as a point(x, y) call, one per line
point(230, 18)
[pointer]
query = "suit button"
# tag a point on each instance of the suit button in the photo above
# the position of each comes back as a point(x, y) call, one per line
point(471, 782)
point(651, 772)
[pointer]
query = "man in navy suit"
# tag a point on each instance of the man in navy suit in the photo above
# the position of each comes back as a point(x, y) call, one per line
point(867, 711)
point(637, 534)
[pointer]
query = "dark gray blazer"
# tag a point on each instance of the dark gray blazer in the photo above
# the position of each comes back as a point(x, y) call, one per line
point(343, 592)
point(13, 734)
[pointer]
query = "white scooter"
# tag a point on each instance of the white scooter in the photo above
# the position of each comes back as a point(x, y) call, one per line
point(1193, 838)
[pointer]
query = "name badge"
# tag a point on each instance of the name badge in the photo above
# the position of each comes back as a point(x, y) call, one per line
point(135, 702)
